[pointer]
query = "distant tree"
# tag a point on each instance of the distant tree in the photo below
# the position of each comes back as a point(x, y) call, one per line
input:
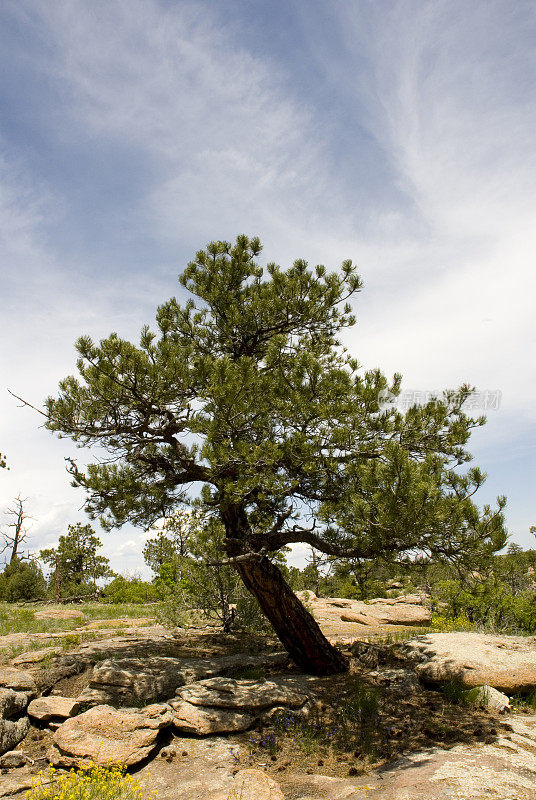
point(74, 563)
point(3, 462)
point(15, 533)
point(172, 541)
point(360, 579)
point(245, 402)
point(514, 549)
point(512, 568)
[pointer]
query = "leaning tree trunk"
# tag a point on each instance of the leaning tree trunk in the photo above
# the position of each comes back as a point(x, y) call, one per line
point(296, 628)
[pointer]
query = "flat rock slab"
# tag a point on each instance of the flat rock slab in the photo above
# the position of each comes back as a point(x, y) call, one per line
point(507, 663)
point(405, 610)
point(18, 680)
point(33, 657)
point(59, 613)
point(53, 707)
point(246, 695)
point(126, 641)
point(104, 735)
point(396, 614)
point(502, 770)
point(252, 784)
point(135, 680)
point(144, 643)
point(208, 721)
point(12, 786)
point(202, 770)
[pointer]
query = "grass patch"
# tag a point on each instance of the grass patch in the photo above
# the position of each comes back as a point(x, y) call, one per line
point(328, 735)
point(20, 619)
point(69, 641)
point(524, 702)
point(96, 611)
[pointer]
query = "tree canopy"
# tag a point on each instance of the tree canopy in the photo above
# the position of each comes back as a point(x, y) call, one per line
point(243, 401)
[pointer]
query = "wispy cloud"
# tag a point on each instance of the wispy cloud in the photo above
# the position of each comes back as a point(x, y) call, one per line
point(167, 128)
point(444, 89)
point(228, 149)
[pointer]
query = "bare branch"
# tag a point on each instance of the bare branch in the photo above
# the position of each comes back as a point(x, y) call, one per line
point(29, 405)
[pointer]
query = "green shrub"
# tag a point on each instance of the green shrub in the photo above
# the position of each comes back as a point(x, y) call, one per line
point(485, 601)
point(454, 691)
point(22, 580)
point(131, 590)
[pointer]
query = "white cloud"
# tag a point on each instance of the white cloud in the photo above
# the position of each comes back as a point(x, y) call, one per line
point(130, 547)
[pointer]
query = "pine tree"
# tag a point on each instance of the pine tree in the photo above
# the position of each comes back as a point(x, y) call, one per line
point(75, 565)
point(244, 402)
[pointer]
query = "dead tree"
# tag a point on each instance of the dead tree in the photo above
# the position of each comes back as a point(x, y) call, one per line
point(13, 540)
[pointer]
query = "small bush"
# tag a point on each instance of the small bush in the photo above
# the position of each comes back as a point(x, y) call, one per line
point(92, 783)
point(353, 723)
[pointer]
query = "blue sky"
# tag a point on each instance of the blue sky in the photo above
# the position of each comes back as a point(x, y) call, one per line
point(399, 134)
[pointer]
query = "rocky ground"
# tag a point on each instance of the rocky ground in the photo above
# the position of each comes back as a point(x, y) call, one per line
point(193, 712)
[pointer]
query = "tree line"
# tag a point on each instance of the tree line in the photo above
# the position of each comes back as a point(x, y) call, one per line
point(497, 593)
point(74, 565)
